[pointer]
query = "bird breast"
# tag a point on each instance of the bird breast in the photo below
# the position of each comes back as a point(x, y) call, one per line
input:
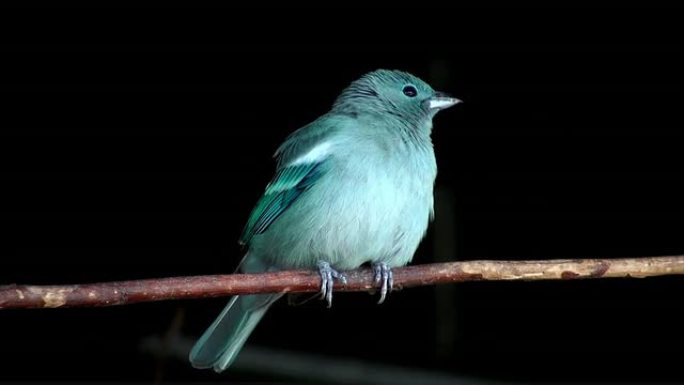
point(373, 204)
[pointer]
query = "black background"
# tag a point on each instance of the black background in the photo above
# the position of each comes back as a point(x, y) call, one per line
point(137, 140)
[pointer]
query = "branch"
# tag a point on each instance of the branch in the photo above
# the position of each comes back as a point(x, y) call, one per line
point(147, 290)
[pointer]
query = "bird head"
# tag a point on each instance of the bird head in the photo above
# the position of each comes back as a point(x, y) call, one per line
point(395, 93)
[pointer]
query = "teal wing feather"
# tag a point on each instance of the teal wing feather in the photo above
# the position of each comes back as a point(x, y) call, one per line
point(289, 183)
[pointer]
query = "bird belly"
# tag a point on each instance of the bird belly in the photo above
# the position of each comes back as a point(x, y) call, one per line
point(366, 215)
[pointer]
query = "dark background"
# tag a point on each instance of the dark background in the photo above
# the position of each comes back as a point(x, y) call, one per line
point(137, 140)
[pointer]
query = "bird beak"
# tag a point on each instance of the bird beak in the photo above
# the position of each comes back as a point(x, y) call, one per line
point(440, 101)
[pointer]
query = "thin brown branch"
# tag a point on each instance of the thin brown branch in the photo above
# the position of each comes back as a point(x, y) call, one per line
point(129, 292)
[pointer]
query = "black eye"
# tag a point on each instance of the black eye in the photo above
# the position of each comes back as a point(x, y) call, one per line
point(410, 91)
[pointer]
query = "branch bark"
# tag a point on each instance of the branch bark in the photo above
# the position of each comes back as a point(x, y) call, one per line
point(176, 288)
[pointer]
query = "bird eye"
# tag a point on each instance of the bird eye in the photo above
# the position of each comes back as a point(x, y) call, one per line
point(410, 91)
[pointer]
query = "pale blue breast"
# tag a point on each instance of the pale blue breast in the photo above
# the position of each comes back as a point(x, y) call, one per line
point(373, 204)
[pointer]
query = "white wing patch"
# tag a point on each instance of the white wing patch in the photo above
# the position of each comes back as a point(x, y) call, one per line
point(316, 154)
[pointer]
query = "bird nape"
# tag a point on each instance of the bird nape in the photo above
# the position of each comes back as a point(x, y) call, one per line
point(354, 186)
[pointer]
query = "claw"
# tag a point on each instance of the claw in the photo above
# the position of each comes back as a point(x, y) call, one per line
point(328, 275)
point(384, 278)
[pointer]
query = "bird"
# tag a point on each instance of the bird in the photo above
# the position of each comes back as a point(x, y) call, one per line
point(353, 187)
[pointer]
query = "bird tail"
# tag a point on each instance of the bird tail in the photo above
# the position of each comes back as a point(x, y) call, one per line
point(221, 342)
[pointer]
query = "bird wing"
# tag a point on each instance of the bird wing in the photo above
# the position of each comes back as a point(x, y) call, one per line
point(289, 183)
point(302, 160)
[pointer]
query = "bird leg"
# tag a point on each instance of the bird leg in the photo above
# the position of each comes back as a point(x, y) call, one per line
point(328, 274)
point(384, 278)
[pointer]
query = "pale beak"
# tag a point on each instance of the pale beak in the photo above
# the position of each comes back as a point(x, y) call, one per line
point(440, 101)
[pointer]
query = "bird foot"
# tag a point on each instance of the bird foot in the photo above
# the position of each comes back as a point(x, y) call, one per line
point(328, 275)
point(384, 278)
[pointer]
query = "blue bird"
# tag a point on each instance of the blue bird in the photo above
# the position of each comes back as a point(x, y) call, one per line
point(354, 186)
